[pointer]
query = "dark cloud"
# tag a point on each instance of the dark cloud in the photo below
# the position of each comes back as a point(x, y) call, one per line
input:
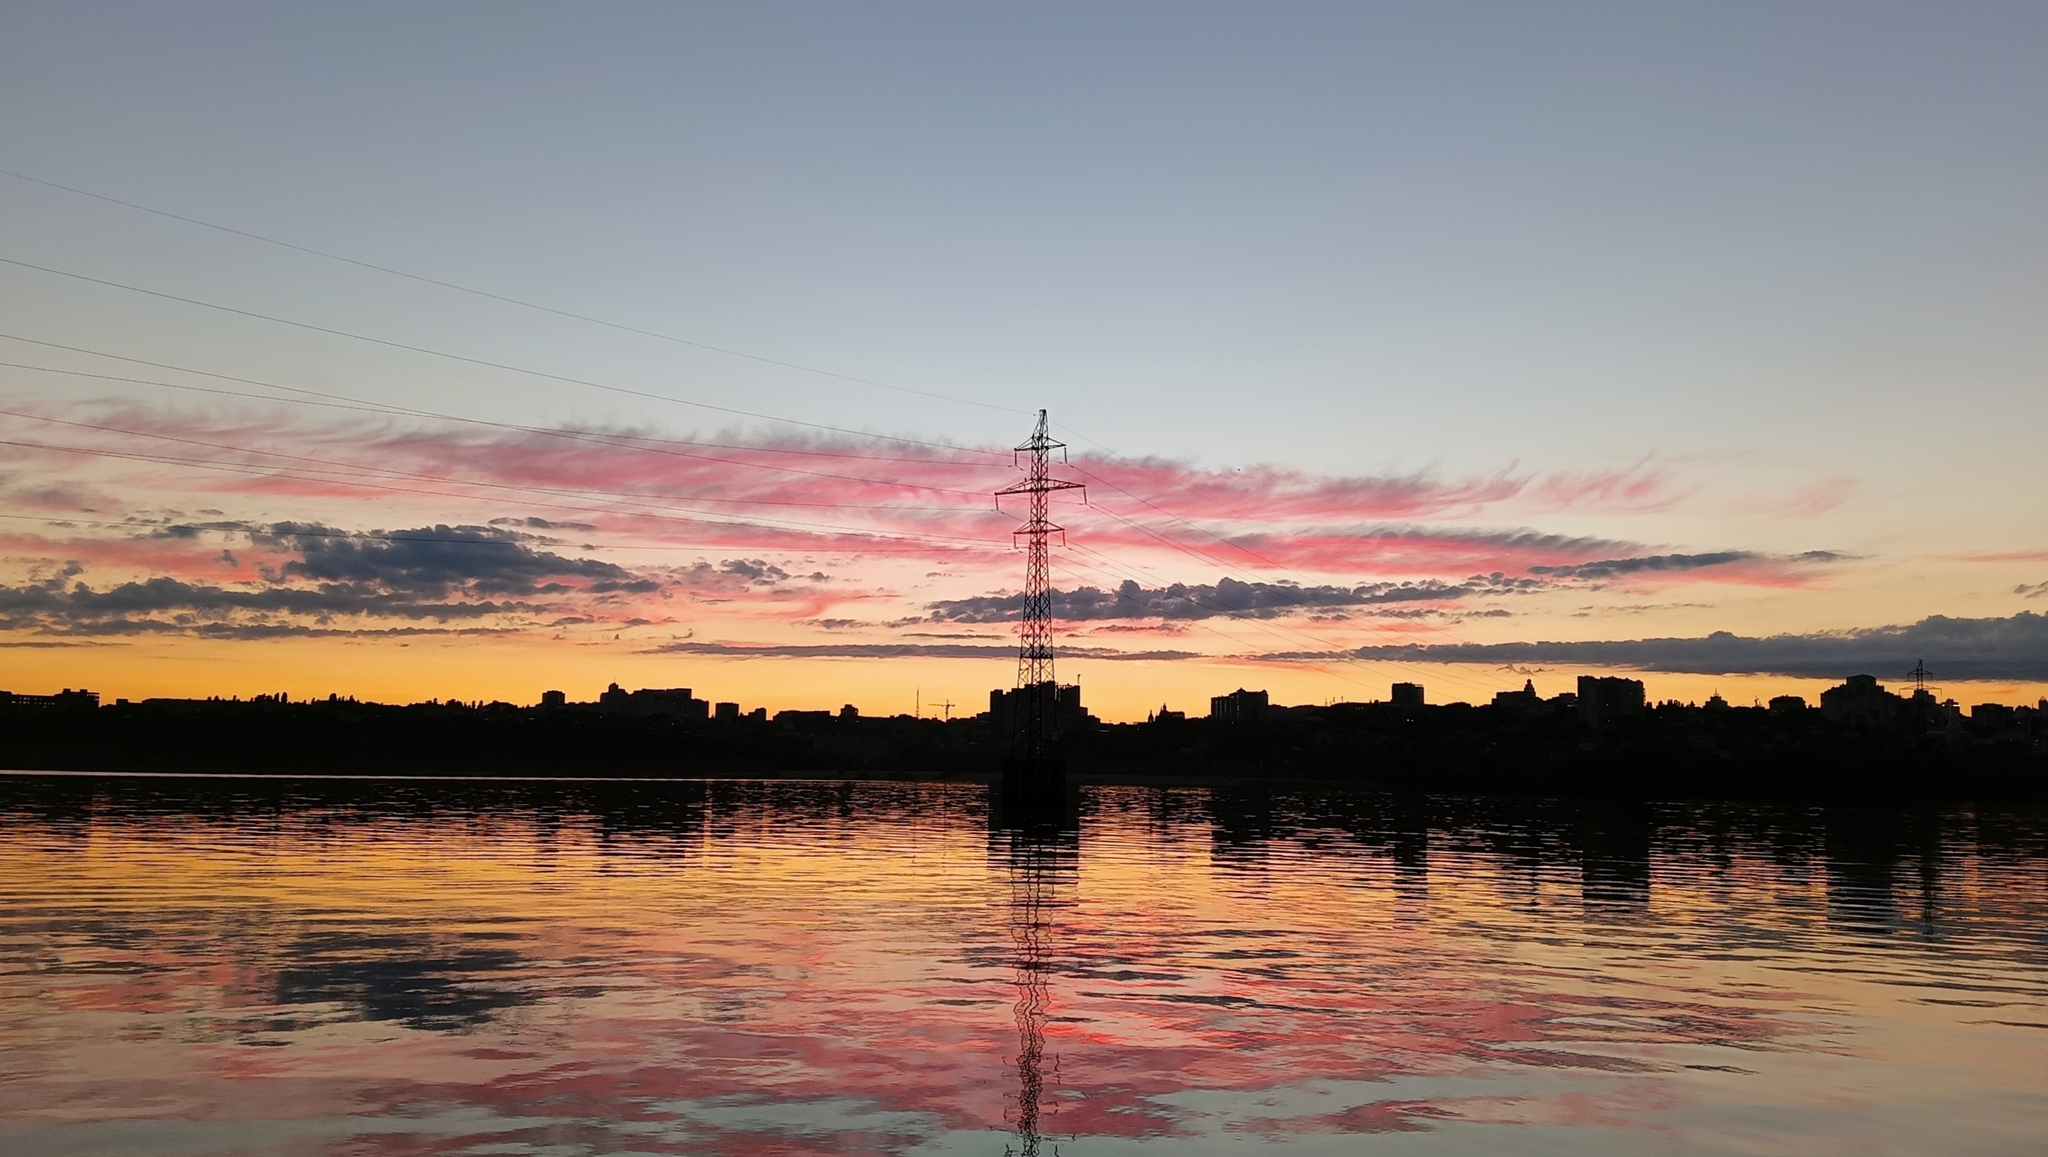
point(543, 524)
point(1227, 597)
point(248, 632)
point(432, 562)
point(440, 573)
point(2012, 648)
point(2031, 590)
point(166, 605)
point(1649, 564)
point(895, 651)
point(47, 643)
point(753, 570)
point(1614, 567)
point(629, 586)
point(737, 575)
point(187, 530)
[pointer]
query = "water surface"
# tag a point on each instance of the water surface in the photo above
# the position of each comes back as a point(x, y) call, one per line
point(385, 968)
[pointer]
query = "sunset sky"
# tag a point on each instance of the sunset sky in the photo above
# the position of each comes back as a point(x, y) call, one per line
point(473, 350)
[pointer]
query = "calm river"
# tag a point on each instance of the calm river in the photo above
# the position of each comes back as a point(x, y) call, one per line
point(381, 968)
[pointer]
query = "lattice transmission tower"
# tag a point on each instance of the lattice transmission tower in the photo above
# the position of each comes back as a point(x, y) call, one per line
point(1920, 675)
point(1035, 715)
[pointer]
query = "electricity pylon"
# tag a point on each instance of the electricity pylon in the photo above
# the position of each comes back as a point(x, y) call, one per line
point(1035, 715)
point(1919, 674)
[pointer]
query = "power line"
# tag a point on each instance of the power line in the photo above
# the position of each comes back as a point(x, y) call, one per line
point(301, 532)
point(348, 480)
point(388, 472)
point(1135, 525)
point(1036, 714)
point(1191, 552)
point(1277, 630)
point(358, 482)
point(1194, 553)
point(1223, 614)
point(309, 326)
point(375, 471)
point(585, 382)
point(1451, 635)
point(349, 402)
point(421, 278)
point(484, 293)
point(597, 385)
point(634, 442)
point(1149, 532)
point(396, 473)
point(678, 454)
point(1203, 530)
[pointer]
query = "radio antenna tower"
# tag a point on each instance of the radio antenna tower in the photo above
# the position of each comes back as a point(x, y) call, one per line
point(1037, 726)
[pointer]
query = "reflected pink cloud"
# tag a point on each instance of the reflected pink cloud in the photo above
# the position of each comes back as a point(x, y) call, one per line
point(846, 980)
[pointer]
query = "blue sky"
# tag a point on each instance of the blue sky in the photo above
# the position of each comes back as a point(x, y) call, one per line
point(1790, 260)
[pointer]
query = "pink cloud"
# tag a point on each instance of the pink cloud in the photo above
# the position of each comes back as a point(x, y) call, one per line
point(839, 479)
point(1266, 492)
point(781, 498)
point(1809, 500)
point(1638, 489)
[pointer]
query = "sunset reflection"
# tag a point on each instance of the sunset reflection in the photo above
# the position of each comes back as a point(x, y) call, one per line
point(799, 968)
point(1037, 862)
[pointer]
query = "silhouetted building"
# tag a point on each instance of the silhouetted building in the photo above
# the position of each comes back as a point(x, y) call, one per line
point(1240, 706)
point(1933, 714)
point(1715, 702)
point(849, 711)
point(1787, 704)
point(1068, 714)
point(1407, 695)
point(1926, 711)
point(1523, 702)
point(553, 699)
point(80, 699)
point(675, 701)
point(1438, 748)
point(725, 711)
point(1861, 701)
point(1163, 715)
point(1604, 699)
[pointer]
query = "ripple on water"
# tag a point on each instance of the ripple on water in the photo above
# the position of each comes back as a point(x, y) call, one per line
point(381, 967)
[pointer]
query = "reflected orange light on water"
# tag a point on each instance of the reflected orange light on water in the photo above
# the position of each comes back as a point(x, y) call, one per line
point(829, 968)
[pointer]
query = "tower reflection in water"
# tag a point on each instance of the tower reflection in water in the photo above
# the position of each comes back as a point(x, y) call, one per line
point(1039, 859)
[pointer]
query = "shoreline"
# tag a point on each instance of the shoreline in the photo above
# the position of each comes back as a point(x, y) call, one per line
point(2037, 797)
